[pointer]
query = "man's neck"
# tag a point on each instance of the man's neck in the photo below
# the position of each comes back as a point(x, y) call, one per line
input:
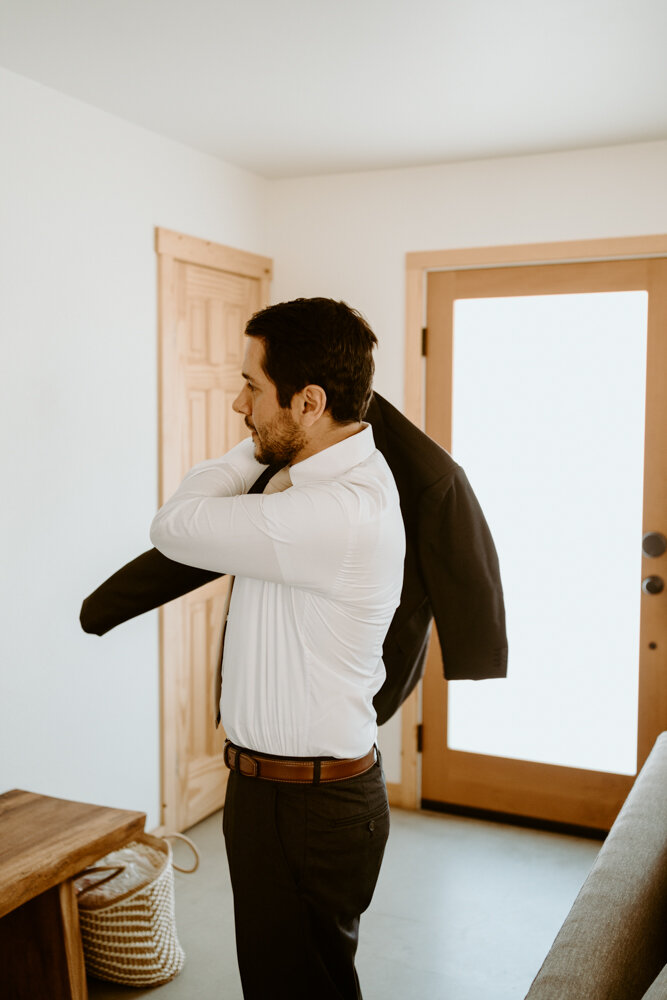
point(326, 438)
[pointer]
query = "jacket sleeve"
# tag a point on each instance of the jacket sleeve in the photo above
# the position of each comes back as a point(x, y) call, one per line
point(141, 585)
point(147, 582)
point(460, 567)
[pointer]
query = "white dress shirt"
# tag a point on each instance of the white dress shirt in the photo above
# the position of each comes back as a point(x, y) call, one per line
point(319, 569)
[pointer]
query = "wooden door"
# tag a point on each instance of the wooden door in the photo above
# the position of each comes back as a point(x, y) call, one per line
point(207, 294)
point(525, 787)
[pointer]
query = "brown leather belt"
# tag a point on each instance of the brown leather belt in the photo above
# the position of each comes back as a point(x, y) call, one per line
point(296, 770)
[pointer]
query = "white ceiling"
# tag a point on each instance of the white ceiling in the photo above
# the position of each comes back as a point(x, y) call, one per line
point(296, 87)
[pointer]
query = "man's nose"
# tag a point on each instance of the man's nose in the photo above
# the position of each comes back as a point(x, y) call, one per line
point(241, 403)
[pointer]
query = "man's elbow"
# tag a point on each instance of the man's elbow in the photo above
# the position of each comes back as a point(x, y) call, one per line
point(163, 539)
point(157, 533)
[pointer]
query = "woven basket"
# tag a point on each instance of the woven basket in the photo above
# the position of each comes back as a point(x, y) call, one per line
point(131, 939)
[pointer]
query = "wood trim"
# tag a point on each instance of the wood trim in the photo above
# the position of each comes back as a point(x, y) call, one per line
point(168, 451)
point(395, 793)
point(440, 316)
point(410, 762)
point(624, 248)
point(168, 432)
point(569, 251)
point(653, 661)
point(414, 362)
point(545, 279)
point(208, 254)
point(406, 793)
point(173, 250)
point(434, 701)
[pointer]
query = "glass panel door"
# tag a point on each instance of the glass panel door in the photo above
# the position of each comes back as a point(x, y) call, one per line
point(548, 422)
point(547, 384)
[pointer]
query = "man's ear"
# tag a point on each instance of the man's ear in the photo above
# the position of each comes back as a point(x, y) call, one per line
point(310, 404)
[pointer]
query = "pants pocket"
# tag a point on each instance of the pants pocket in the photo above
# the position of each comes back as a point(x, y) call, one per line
point(367, 817)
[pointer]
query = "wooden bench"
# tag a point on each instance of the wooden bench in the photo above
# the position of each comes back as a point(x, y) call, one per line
point(44, 843)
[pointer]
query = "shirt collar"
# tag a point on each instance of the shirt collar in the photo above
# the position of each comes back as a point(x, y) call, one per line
point(333, 462)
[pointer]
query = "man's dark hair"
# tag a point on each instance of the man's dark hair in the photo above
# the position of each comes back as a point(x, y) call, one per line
point(318, 342)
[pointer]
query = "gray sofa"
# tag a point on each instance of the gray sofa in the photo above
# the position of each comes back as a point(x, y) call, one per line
point(613, 943)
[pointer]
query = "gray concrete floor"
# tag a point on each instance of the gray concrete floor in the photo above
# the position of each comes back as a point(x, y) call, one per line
point(464, 910)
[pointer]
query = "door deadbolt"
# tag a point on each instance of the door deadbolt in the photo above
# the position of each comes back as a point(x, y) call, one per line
point(654, 544)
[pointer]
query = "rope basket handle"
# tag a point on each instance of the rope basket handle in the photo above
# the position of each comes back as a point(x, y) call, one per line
point(180, 836)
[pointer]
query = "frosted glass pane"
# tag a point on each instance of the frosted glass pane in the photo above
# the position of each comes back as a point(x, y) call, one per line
point(548, 422)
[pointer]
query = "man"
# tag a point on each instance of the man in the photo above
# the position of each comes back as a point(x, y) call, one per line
point(318, 566)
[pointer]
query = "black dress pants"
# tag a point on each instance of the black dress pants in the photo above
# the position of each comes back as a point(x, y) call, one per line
point(304, 861)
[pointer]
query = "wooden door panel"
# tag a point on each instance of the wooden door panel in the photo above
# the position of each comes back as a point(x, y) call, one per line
point(566, 795)
point(215, 307)
point(207, 295)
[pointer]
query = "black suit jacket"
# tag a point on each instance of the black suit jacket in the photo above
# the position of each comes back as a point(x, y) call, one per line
point(451, 570)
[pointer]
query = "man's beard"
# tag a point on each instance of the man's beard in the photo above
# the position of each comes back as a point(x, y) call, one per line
point(281, 442)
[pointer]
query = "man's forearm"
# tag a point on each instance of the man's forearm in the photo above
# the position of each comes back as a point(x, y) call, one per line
point(152, 579)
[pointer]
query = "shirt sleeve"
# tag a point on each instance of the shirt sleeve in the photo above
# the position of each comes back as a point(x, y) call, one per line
point(298, 537)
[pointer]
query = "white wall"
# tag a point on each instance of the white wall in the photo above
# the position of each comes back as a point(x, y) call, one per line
point(81, 192)
point(346, 236)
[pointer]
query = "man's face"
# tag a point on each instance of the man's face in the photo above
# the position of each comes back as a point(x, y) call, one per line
point(277, 436)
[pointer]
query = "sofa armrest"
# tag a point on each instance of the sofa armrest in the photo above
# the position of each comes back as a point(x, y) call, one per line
point(658, 988)
point(613, 945)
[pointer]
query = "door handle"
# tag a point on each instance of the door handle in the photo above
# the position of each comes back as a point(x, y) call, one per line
point(654, 544)
point(653, 585)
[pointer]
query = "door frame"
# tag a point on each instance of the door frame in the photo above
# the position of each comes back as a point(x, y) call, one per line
point(172, 247)
point(418, 264)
